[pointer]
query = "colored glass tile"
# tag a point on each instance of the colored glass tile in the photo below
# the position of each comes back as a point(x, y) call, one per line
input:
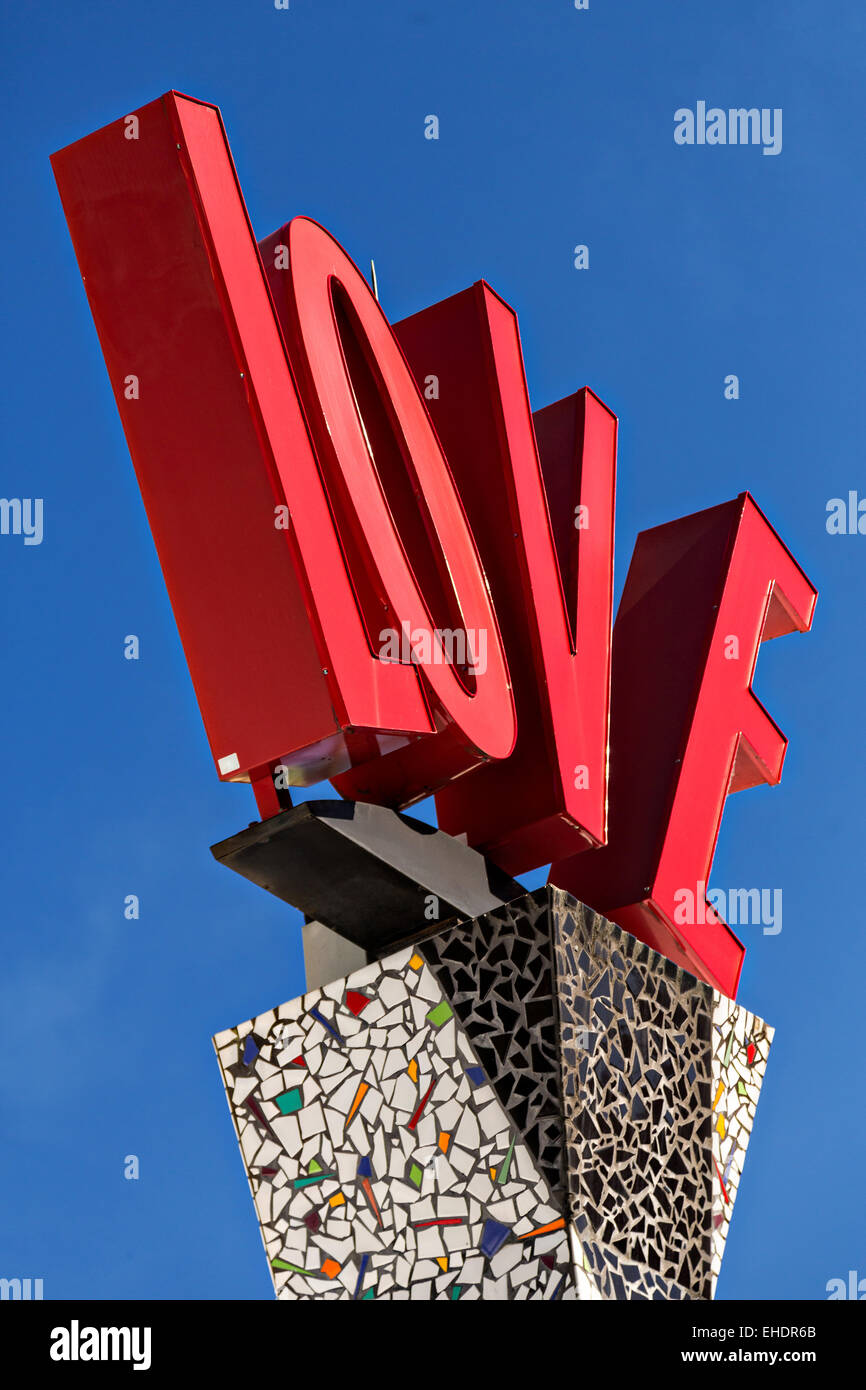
point(440, 1013)
point(329, 1027)
point(413, 1069)
point(312, 1221)
point(255, 1109)
point(415, 1175)
point(365, 1260)
point(290, 1101)
point(307, 1182)
point(367, 1189)
point(750, 1053)
point(543, 1230)
point(493, 1237)
point(338, 1200)
point(251, 1049)
point(356, 1002)
point(502, 1175)
point(719, 1093)
point(359, 1096)
point(476, 1075)
point(330, 1269)
point(419, 1112)
point(365, 1167)
point(442, 1262)
point(416, 962)
point(444, 1141)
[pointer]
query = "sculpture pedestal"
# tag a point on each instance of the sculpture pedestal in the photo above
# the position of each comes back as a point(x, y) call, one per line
point(531, 1104)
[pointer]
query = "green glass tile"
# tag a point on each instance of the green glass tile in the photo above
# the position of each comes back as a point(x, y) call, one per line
point(290, 1101)
point(729, 1047)
point(455, 1293)
point(741, 1088)
point(415, 1175)
point(502, 1175)
point(439, 1014)
point(316, 1177)
point(371, 1293)
point(283, 1264)
point(314, 1166)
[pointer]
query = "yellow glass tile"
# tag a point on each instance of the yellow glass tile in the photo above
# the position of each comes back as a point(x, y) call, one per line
point(338, 1200)
point(442, 1262)
point(417, 961)
point(720, 1126)
point(719, 1094)
point(413, 1069)
point(493, 1175)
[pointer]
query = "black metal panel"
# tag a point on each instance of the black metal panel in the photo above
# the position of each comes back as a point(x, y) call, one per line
point(372, 874)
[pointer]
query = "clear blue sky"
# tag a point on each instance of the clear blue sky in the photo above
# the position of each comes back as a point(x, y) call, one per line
point(556, 129)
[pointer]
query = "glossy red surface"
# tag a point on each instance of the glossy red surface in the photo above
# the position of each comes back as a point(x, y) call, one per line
point(316, 480)
point(686, 727)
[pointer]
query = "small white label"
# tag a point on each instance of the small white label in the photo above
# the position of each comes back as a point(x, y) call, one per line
point(231, 763)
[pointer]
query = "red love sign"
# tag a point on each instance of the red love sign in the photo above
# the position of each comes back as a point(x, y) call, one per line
point(387, 571)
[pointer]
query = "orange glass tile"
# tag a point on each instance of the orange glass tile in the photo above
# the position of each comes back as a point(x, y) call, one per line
point(338, 1200)
point(331, 1269)
point(359, 1096)
point(413, 1069)
point(543, 1230)
point(444, 1141)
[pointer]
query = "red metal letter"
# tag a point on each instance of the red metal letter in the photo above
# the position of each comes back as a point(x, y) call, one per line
point(281, 661)
point(686, 728)
point(544, 529)
point(381, 461)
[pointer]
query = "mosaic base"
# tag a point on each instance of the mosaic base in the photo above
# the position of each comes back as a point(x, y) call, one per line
point(531, 1105)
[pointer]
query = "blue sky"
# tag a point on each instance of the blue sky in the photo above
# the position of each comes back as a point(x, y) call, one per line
point(556, 128)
